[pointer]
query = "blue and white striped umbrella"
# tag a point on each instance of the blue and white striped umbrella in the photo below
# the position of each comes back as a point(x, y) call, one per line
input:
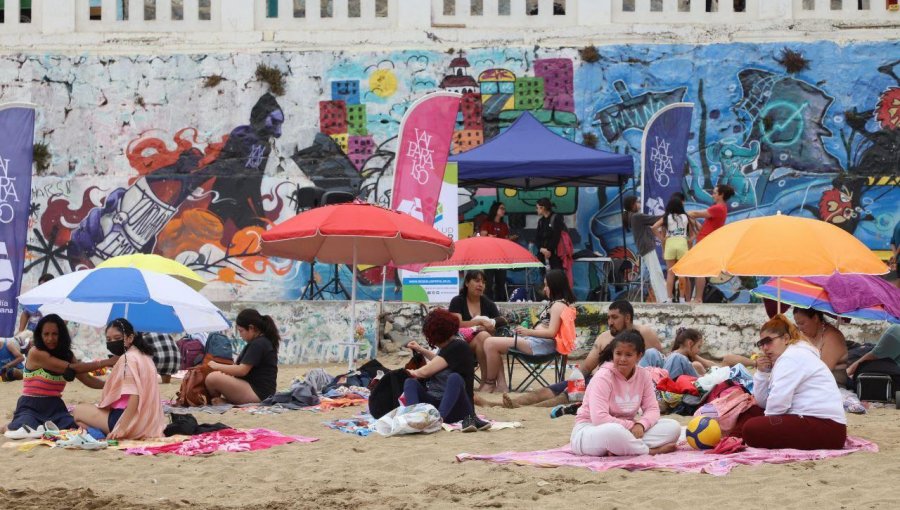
point(150, 301)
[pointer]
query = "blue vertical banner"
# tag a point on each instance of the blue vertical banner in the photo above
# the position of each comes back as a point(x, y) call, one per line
point(663, 155)
point(16, 156)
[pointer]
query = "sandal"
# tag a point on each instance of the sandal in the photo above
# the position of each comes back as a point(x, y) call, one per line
point(82, 441)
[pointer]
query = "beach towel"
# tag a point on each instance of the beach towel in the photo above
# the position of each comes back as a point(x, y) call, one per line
point(495, 425)
point(227, 440)
point(684, 460)
point(359, 425)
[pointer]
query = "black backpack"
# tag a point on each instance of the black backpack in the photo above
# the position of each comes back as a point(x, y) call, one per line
point(383, 398)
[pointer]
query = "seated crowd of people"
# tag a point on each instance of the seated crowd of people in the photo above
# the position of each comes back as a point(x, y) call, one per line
point(799, 368)
point(129, 405)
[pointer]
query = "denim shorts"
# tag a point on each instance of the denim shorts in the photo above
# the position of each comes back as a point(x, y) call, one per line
point(539, 346)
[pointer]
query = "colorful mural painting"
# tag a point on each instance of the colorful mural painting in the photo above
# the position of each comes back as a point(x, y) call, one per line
point(150, 156)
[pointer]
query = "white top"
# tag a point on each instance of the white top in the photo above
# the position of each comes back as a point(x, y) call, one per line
point(676, 225)
point(799, 384)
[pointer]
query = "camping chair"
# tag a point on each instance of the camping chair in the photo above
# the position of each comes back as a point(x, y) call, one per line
point(535, 365)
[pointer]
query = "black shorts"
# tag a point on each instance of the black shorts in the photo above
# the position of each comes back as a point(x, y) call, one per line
point(114, 415)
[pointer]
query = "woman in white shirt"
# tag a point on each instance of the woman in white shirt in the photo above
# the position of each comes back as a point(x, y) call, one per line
point(798, 404)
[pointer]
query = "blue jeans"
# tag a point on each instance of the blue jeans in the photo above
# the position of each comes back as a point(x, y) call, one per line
point(652, 358)
point(453, 406)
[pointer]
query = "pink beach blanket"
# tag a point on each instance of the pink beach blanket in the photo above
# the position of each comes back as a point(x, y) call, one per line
point(685, 459)
point(226, 440)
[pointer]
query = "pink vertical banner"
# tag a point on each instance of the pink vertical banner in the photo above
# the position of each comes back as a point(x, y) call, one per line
point(426, 133)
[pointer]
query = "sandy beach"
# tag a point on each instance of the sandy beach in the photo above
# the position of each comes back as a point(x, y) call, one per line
point(345, 471)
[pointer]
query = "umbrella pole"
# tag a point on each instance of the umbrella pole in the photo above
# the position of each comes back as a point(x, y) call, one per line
point(351, 361)
point(778, 284)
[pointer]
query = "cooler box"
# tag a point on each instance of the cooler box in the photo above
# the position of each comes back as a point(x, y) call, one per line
point(875, 387)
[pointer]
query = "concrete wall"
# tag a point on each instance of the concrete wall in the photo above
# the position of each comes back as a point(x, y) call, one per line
point(807, 132)
point(316, 332)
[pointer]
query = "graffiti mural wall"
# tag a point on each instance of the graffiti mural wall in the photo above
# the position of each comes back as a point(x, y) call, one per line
point(192, 156)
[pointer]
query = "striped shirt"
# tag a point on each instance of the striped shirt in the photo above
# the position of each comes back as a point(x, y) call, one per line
point(42, 383)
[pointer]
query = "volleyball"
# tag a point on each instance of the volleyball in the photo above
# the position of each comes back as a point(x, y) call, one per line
point(703, 433)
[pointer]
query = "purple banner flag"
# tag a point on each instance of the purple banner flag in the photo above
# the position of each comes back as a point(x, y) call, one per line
point(16, 155)
point(664, 153)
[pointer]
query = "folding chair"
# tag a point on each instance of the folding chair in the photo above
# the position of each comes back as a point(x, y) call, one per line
point(535, 366)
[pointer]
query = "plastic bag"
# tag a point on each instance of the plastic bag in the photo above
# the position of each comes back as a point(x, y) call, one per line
point(713, 377)
point(413, 419)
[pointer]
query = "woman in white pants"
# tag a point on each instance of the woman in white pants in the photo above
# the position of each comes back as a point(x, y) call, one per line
point(608, 422)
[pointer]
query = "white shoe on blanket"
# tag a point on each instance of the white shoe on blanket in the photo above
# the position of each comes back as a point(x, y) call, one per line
point(25, 432)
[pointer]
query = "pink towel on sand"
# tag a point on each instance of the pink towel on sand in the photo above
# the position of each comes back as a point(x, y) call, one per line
point(683, 460)
point(226, 440)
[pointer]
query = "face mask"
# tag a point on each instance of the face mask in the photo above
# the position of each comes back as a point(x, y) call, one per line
point(116, 348)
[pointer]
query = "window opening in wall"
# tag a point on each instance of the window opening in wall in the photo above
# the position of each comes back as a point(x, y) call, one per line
point(381, 8)
point(205, 10)
point(178, 10)
point(24, 11)
point(503, 7)
point(149, 10)
point(354, 10)
point(809, 5)
point(476, 8)
point(684, 5)
point(531, 7)
point(326, 8)
point(299, 8)
point(449, 7)
point(656, 6)
point(627, 5)
point(559, 8)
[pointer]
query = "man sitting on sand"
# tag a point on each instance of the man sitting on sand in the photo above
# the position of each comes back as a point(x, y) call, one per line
point(620, 317)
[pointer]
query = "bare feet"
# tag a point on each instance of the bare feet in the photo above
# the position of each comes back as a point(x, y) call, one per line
point(666, 448)
point(508, 402)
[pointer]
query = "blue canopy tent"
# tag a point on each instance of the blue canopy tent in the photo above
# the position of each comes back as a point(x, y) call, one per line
point(528, 155)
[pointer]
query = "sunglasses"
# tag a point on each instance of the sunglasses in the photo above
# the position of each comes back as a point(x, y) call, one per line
point(767, 340)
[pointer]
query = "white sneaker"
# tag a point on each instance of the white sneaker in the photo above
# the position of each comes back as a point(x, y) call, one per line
point(25, 432)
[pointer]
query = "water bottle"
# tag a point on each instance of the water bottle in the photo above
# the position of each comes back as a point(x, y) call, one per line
point(575, 385)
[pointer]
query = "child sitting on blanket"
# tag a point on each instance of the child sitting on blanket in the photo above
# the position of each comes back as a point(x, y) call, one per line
point(608, 421)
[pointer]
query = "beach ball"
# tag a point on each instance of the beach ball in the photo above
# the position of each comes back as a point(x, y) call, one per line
point(703, 433)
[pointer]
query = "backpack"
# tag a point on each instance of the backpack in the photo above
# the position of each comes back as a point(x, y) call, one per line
point(191, 351)
point(219, 346)
point(192, 392)
point(565, 336)
point(383, 398)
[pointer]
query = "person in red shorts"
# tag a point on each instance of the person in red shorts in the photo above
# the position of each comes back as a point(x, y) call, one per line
point(714, 217)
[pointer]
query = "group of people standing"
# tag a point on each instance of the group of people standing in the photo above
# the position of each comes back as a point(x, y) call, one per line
point(677, 230)
point(129, 406)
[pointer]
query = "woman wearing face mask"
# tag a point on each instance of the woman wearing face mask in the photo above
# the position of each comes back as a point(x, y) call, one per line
point(608, 422)
point(129, 406)
point(50, 364)
point(799, 406)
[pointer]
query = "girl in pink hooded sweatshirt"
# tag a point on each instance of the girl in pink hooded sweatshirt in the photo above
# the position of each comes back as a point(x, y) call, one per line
point(620, 415)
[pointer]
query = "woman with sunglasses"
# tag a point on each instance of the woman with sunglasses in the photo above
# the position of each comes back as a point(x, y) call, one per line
point(798, 404)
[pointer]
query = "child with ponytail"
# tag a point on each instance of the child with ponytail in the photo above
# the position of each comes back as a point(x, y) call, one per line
point(620, 414)
point(252, 378)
